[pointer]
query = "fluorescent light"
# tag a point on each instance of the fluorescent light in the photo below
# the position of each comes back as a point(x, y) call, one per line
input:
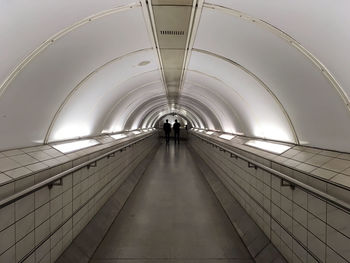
point(209, 132)
point(268, 146)
point(118, 136)
point(136, 132)
point(226, 136)
point(74, 146)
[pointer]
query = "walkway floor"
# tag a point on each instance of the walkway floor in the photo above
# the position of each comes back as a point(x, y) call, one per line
point(172, 216)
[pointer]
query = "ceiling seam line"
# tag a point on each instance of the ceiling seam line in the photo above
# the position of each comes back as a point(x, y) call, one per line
point(197, 18)
point(150, 24)
point(188, 110)
point(187, 45)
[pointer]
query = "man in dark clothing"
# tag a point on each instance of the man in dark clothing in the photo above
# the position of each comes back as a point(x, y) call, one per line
point(167, 130)
point(176, 128)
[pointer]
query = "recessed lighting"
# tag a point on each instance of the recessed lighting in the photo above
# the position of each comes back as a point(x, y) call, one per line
point(268, 146)
point(227, 136)
point(74, 146)
point(118, 136)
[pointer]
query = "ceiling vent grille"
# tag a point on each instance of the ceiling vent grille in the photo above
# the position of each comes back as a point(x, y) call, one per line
point(172, 32)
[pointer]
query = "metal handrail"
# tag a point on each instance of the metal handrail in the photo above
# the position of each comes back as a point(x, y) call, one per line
point(293, 182)
point(50, 181)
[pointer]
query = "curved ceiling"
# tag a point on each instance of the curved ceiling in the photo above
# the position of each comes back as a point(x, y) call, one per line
point(271, 70)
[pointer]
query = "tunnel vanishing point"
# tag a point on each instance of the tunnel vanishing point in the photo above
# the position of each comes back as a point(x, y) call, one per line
point(260, 90)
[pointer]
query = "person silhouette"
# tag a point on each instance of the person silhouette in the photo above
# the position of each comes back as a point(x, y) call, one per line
point(176, 128)
point(167, 130)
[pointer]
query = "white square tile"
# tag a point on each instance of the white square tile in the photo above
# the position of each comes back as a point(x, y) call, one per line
point(9, 255)
point(338, 219)
point(330, 153)
point(24, 183)
point(12, 153)
point(316, 246)
point(24, 206)
point(4, 179)
point(299, 251)
point(42, 196)
point(338, 243)
point(342, 179)
point(43, 251)
point(56, 251)
point(40, 156)
point(337, 165)
point(317, 207)
point(53, 153)
point(305, 167)
point(8, 164)
point(18, 172)
point(7, 189)
point(300, 232)
point(56, 220)
point(300, 214)
point(24, 246)
point(42, 232)
point(7, 216)
point(37, 167)
point(24, 159)
point(318, 160)
point(55, 205)
point(42, 214)
point(332, 256)
point(323, 173)
point(303, 156)
point(7, 238)
point(317, 227)
point(24, 226)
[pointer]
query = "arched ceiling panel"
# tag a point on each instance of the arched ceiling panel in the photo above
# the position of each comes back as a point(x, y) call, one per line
point(144, 114)
point(98, 92)
point(315, 108)
point(161, 115)
point(51, 75)
point(118, 117)
point(320, 26)
point(154, 113)
point(262, 112)
point(26, 25)
point(218, 106)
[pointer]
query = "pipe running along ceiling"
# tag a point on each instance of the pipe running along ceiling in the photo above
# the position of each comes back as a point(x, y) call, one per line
point(273, 70)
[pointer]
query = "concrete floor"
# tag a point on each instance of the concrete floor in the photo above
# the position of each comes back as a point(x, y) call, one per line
point(172, 216)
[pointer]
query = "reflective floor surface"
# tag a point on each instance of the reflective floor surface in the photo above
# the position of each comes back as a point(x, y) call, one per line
point(172, 216)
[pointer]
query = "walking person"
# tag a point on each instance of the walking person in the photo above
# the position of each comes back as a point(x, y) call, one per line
point(176, 128)
point(167, 130)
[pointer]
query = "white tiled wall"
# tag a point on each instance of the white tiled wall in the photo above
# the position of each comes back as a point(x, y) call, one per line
point(47, 221)
point(303, 227)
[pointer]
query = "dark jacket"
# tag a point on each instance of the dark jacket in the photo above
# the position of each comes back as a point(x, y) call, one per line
point(176, 127)
point(167, 127)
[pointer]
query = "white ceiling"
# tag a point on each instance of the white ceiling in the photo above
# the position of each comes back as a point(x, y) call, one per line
point(272, 69)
